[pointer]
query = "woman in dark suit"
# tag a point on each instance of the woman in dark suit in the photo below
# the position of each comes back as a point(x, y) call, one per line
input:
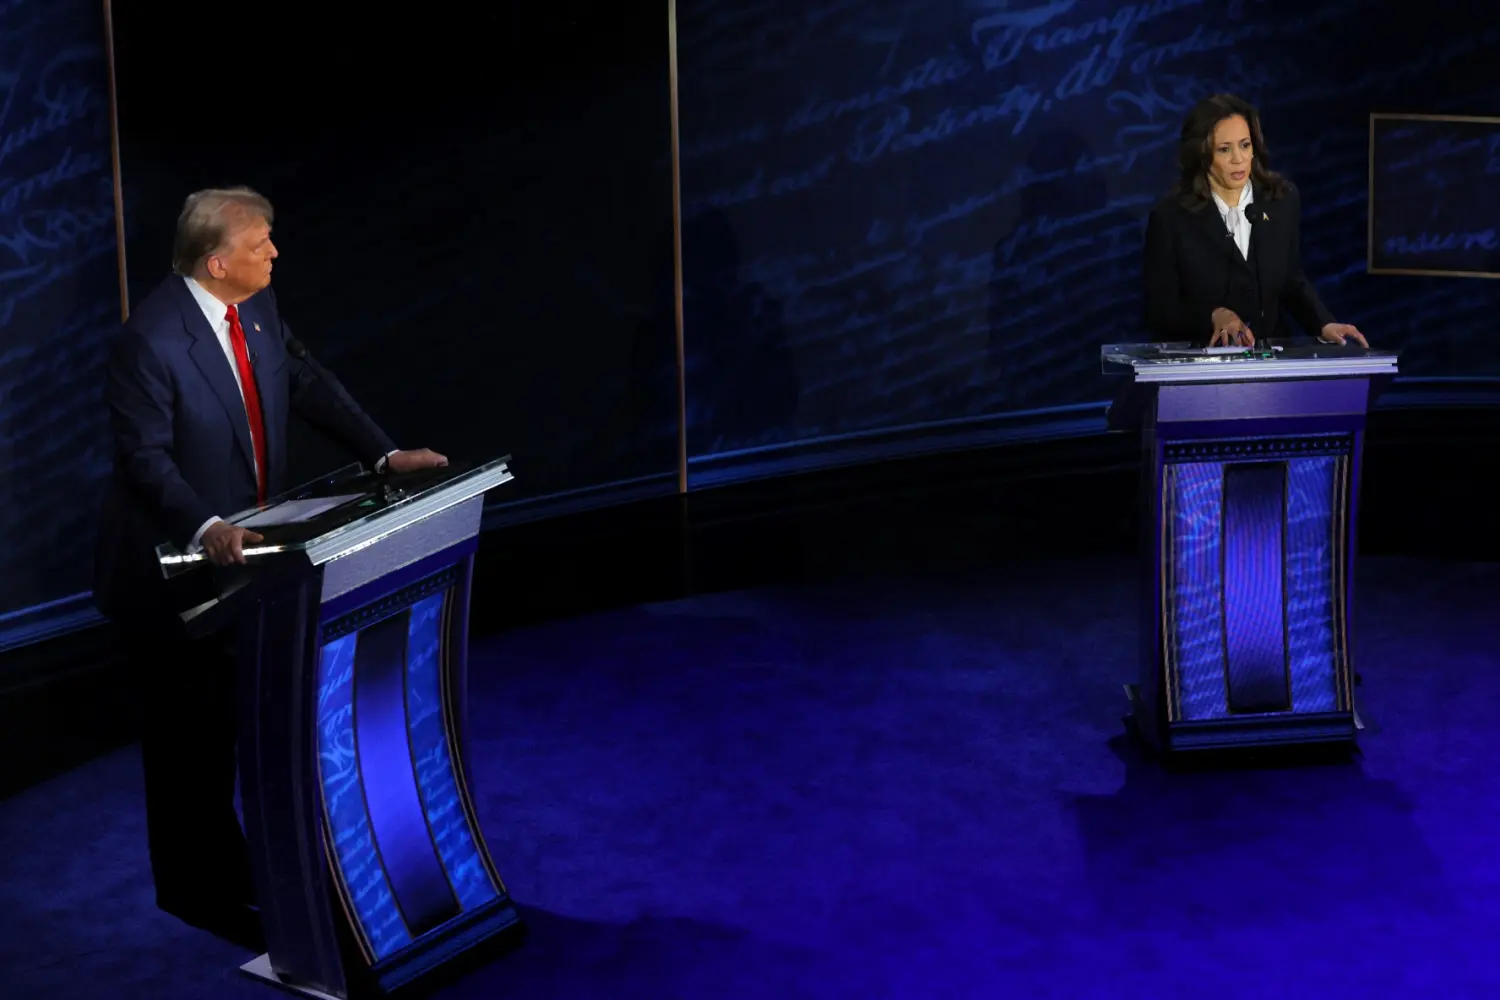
point(1223, 253)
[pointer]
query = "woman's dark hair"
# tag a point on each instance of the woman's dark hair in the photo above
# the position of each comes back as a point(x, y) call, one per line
point(1195, 154)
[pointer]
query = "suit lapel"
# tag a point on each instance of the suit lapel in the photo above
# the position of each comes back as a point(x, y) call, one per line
point(211, 360)
point(258, 338)
point(1261, 232)
point(1213, 226)
point(1265, 237)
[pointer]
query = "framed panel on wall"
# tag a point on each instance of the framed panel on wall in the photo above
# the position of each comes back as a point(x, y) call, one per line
point(1434, 205)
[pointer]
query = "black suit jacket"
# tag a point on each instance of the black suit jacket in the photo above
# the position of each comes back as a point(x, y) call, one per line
point(1193, 267)
point(181, 441)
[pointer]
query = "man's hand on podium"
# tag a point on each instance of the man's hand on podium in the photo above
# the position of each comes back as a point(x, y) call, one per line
point(1342, 333)
point(412, 461)
point(224, 543)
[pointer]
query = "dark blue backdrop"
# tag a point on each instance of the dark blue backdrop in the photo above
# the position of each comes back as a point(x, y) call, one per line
point(477, 242)
point(1435, 195)
point(931, 213)
point(59, 298)
point(908, 226)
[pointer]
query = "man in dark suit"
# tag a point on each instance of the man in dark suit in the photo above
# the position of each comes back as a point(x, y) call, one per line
point(1223, 260)
point(199, 386)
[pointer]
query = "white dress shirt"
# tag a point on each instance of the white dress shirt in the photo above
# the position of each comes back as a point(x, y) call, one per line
point(217, 314)
point(1235, 218)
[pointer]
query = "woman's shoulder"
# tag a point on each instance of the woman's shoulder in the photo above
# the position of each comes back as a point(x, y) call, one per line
point(1171, 208)
point(1284, 190)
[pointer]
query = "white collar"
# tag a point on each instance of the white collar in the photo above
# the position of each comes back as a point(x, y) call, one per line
point(216, 311)
point(1247, 195)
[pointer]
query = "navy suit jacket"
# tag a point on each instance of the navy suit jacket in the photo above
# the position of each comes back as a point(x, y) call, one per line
point(1192, 267)
point(181, 440)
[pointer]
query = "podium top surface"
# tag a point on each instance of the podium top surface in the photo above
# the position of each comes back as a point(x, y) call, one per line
point(349, 510)
point(1184, 362)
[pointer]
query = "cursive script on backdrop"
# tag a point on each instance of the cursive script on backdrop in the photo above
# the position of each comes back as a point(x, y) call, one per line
point(59, 292)
point(1434, 205)
point(945, 201)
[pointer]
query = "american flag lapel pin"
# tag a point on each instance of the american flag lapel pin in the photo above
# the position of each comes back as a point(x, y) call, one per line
point(257, 327)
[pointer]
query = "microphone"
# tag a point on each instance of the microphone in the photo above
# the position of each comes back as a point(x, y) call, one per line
point(298, 350)
point(1249, 215)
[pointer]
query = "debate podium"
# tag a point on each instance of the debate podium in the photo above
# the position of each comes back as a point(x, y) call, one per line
point(1250, 495)
point(371, 870)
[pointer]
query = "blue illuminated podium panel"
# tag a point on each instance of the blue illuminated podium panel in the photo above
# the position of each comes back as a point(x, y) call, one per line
point(1250, 479)
point(371, 867)
point(403, 845)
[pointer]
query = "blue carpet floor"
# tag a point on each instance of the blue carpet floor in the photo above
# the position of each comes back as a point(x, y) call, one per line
point(892, 789)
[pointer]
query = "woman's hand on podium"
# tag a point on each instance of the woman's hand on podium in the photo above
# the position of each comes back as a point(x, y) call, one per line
point(412, 461)
point(1341, 334)
point(1230, 330)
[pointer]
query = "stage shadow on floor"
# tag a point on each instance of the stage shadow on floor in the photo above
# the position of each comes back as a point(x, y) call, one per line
point(648, 958)
point(1258, 843)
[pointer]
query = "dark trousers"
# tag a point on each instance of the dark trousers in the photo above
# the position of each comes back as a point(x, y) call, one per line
point(190, 721)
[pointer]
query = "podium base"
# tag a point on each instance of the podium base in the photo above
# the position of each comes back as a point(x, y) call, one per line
point(260, 968)
point(1314, 733)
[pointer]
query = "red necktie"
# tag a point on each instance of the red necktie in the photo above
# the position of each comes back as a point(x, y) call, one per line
point(252, 401)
